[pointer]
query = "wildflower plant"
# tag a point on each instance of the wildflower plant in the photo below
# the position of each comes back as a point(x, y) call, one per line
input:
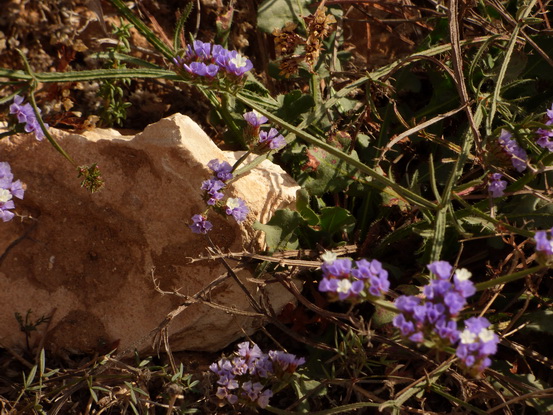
point(344, 279)
point(250, 377)
point(399, 162)
point(9, 189)
point(26, 118)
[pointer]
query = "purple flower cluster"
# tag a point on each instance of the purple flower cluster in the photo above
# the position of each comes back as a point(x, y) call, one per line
point(25, 115)
point(511, 147)
point(476, 344)
point(206, 60)
point(247, 377)
point(545, 134)
point(343, 281)
point(213, 187)
point(544, 243)
point(271, 139)
point(8, 189)
point(435, 315)
point(496, 186)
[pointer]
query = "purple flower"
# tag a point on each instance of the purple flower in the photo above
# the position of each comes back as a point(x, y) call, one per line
point(249, 352)
point(442, 269)
point(286, 362)
point(263, 399)
point(454, 302)
point(406, 327)
point(220, 55)
point(207, 60)
point(198, 50)
point(201, 69)
point(545, 134)
point(544, 243)
point(463, 284)
point(251, 373)
point(222, 170)
point(339, 268)
point(544, 138)
point(237, 208)
point(272, 138)
point(5, 205)
point(447, 330)
point(8, 189)
point(549, 114)
point(375, 274)
point(476, 344)
point(341, 278)
point(407, 303)
point(6, 176)
point(328, 285)
point(26, 115)
point(212, 187)
point(236, 64)
point(201, 225)
point(255, 119)
point(511, 147)
point(496, 186)
point(435, 314)
point(22, 112)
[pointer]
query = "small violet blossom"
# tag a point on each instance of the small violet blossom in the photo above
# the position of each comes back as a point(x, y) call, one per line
point(272, 138)
point(511, 147)
point(212, 187)
point(213, 195)
point(26, 115)
point(237, 208)
point(248, 376)
point(200, 224)
point(205, 60)
point(545, 134)
point(8, 190)
point(345, 282)
point(255, 119)
point(544, 242)
point(476, 344)
point(496, 186)
point(222, 170)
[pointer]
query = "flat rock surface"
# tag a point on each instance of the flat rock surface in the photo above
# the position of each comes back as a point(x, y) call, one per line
point(88, 260)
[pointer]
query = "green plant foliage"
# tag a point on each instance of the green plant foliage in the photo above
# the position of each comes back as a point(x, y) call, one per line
point(273, 14)
point(280, 231)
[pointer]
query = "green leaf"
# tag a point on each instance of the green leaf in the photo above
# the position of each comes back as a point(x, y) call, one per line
point(274, 14)
point(280, 230)
point(304, 386)
point(293, 104)
point(336, 219)
point(331, 174)
point(540, 321)
point(302, 206)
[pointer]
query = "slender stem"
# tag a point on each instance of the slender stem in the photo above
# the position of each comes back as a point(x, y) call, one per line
point(402, 191)
point(509, 277)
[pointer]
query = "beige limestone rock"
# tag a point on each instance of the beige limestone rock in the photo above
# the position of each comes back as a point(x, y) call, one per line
point(87, 259)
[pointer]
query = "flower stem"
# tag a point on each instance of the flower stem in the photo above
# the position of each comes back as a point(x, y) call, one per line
point(508, 278)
